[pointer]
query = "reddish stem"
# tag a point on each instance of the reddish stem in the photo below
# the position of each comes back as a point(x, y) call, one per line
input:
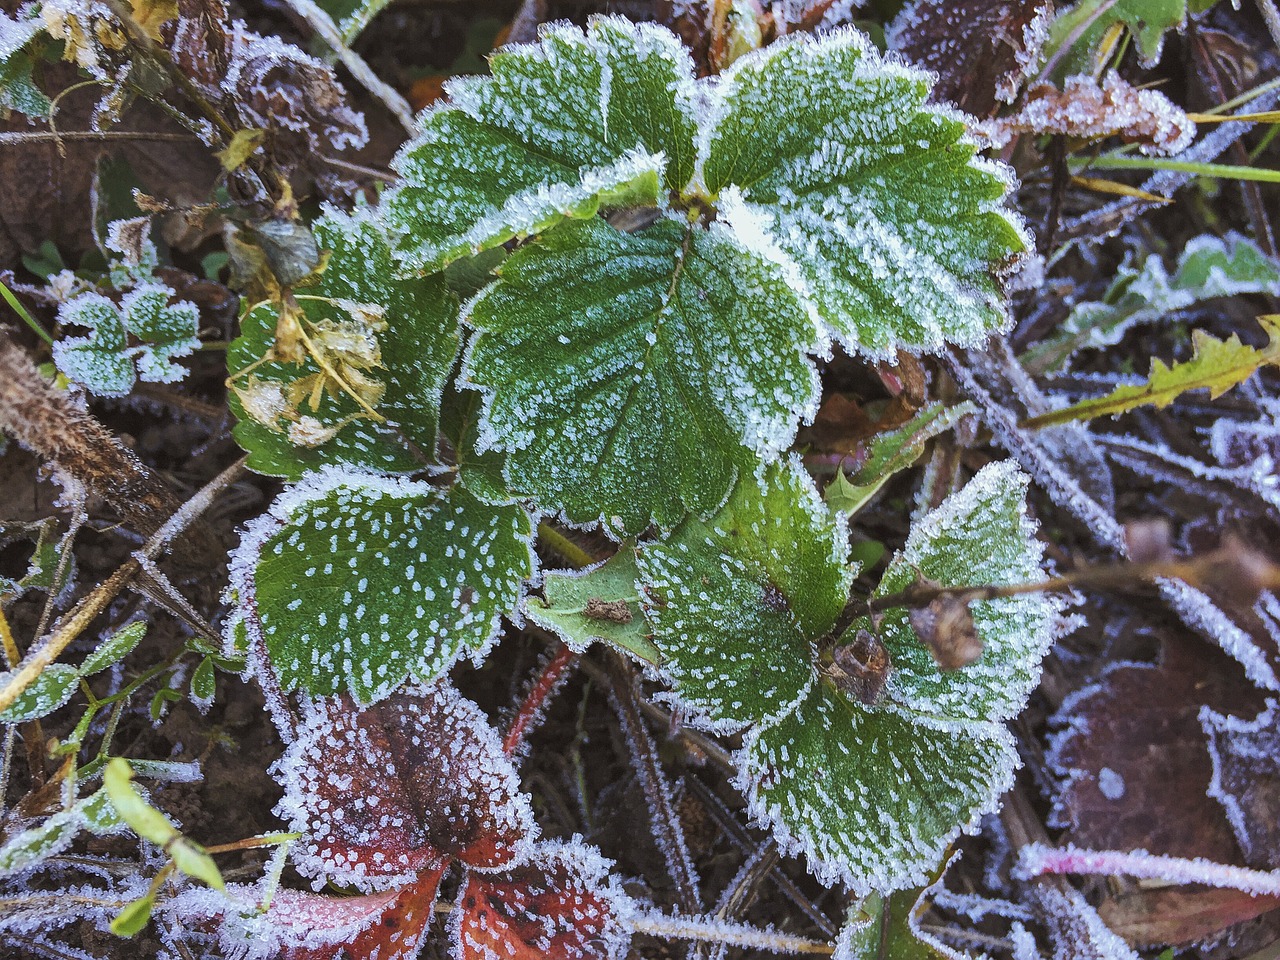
point(531, 710)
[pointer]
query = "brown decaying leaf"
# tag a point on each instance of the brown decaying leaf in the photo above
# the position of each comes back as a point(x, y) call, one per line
point(945, 625)
point(1177, 916)
point(1088, 110)
point(982, 50)
point(861, 668)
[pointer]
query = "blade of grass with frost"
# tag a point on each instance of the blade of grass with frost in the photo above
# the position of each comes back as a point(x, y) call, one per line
point(826, 157)
point(602, 353)
point(355, 582)
point(415, 353)
point(1216, 366)
point(560, 128)
point(1208, 267)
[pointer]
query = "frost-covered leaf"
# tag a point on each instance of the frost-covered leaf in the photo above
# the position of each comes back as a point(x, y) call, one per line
point(561, 127)
point(40, 842)
point(353, 582)
point(460, 425)
point(383, 793)
point(50, 690)
point(600, 604)
point(1216, 366)
point(889, 453)
point(737, 602)
point(20, 44)
point(139, 339)
point(604, 353)
point(114, 649)
point(980, 535)
point(389, 925)
point(872, 796)
point(982, 51)
point(872, 793)
point(1087, 109)
point(400, 334)
point(1246, 779)
point(43, 566)
point(561, 903)
point(1147, 20)
point(825, 157)
point(1208, 267)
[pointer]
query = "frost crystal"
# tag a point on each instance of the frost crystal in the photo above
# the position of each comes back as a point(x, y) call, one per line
point(1246, 777)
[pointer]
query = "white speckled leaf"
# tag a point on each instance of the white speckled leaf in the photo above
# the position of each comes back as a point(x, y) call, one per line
point(354, 583)
point(874, 794)
point(735, 603)
point(979, 535)
point(51, 689)
point(560, 127)
point(824, 156)
point(632, 377)
point(870, 796)
point(417, 350)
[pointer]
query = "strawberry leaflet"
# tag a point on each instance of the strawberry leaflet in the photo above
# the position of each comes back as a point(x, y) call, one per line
point(561, 127)
point(603, 353)
point(354, 583)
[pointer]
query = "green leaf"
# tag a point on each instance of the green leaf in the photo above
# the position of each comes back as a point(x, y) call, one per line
point(1208, 267)
point(600, 604)
point(736, 603)
point(50, 690)
point(414, 355)
point(1216, 366)
point(888, 928)
point(605, 353)
point(560, 128)
point(889, 453)
point(105, 362)
point(150, 824)
point(204, 684)
point(20, 49)
point(825, 157)
point(354, 582)
point(870, 796)
point(40, 842)
point(480, 473)
point(114, 649)
point(134, 917)
point(873, 794)
point(1147, 20)
point(980, 535)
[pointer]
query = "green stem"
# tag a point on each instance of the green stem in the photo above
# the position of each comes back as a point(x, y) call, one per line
point(570, 551)
point(1218, 170)
point(21, 311)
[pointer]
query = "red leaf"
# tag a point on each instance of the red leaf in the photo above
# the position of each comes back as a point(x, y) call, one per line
point(557, 904)
point(390, 925)
point(383, 793)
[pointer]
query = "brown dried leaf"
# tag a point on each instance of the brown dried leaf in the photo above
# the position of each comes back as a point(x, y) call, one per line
point(1086, 109)
point(981, 50)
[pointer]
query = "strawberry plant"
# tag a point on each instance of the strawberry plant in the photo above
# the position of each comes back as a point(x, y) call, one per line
point(678, 254)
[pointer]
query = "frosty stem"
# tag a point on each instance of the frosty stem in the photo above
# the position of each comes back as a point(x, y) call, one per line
point(1231, 565)
point(531, 709)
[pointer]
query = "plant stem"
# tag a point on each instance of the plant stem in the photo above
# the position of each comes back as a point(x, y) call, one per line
point(21, 311)
point(535, 700)
point(1222, 171)
point(570, 551)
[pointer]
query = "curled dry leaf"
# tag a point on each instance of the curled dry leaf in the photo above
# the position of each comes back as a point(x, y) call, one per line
point(1084, 108)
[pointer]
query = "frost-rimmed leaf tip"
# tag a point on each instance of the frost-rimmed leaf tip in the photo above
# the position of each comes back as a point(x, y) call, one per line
point(577, 120)
point(824, 154)
point(353, 582)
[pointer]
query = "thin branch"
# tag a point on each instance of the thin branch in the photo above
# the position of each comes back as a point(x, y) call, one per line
point(94, 136)
point(84, 613)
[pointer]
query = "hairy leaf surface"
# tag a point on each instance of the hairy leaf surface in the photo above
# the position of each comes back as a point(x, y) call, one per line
point(605, 354)
point(353, 583)
point(559, 128)
point(735, 603)
point(825, 157)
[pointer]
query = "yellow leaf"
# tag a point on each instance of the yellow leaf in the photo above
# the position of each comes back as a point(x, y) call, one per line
point(1216, 366)
point(150, 14)
point(241, 147)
